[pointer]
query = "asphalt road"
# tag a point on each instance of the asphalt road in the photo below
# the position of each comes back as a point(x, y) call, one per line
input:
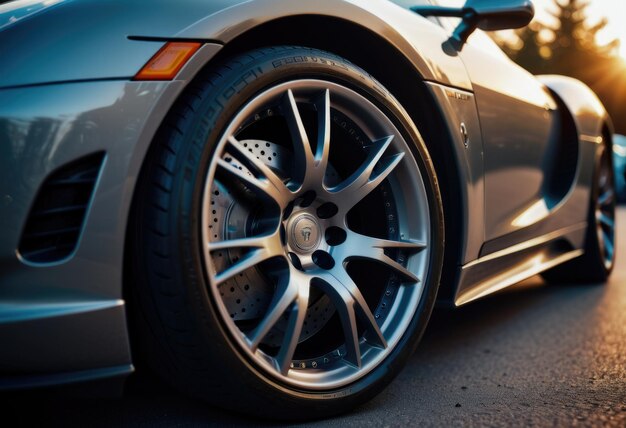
point(532, 355)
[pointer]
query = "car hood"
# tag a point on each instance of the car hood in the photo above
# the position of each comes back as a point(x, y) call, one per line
point(44, 41)
point(15, 11)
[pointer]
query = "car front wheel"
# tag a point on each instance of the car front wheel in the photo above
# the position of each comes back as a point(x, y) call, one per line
point(288, 234)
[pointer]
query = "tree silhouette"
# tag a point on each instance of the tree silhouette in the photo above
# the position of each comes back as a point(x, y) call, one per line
point(527, 50)
point(573, 50)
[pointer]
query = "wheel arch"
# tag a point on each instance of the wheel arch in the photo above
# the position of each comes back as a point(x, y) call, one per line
point(591, 121)
point(388, 65)
point(583, 104)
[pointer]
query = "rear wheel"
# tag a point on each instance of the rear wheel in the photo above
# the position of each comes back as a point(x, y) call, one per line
point(289, 237)
point(597, 263)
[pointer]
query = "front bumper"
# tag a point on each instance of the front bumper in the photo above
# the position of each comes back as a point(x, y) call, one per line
point(66, 321)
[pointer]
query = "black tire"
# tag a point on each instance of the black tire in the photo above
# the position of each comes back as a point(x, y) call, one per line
point(180, 330)
point(596, 264)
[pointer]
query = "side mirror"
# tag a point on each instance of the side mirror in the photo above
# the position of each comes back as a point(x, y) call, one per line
point(488, 15)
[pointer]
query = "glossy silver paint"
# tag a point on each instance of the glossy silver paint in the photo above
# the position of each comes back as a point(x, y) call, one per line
point(459, 107)
point(517, 123)
point(42, 128)
point(71, 93)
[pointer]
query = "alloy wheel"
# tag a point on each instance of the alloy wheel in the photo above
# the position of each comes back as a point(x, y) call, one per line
point(316, 230)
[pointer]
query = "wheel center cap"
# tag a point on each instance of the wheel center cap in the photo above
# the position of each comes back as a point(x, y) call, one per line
point(305, 233)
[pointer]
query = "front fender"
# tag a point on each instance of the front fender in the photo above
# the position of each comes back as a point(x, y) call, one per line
point(423, 43)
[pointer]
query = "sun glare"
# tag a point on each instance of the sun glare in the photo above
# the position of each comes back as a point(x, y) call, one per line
point(614, 11)
point(622, 44)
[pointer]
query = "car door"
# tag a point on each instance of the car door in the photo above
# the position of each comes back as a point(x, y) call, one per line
point(518, 123)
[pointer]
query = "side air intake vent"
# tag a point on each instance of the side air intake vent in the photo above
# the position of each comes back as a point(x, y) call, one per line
point(57, 216)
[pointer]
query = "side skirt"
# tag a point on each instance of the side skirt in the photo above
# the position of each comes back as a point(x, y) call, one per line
point(47, 340)
point(504, 268)
point(112, 378)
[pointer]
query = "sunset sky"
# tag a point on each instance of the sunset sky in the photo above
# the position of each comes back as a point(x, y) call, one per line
point(613, 10)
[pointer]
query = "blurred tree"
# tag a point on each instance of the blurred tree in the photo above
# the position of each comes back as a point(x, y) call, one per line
point(527, 49)
point(572, 49)
point(574, 46)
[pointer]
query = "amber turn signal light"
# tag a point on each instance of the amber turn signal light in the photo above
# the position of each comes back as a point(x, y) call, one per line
point(168, 61)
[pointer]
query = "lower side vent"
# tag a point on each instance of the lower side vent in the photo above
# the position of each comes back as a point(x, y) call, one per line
point(57, 216)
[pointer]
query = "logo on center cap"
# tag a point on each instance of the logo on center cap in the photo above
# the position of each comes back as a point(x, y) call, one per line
point(305, 233)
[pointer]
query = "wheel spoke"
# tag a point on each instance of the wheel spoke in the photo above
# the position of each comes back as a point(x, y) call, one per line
point(259, 165)
point(249, 260)
point(283, 298)
point(269, 183)
point(405, 274)
point(344, 304)
point(345, 308)
point(374, 182)
point(253, 242)
point(301, 145)
point(365, 179)
point(261, 248)
point(350, 303)
point(294, 329)
point(411, 246)
point(251, 181)
point(366, 247)
point(362, 309)
point(323, 133)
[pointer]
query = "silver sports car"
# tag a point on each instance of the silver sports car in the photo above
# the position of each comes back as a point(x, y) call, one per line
point(262, 200)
